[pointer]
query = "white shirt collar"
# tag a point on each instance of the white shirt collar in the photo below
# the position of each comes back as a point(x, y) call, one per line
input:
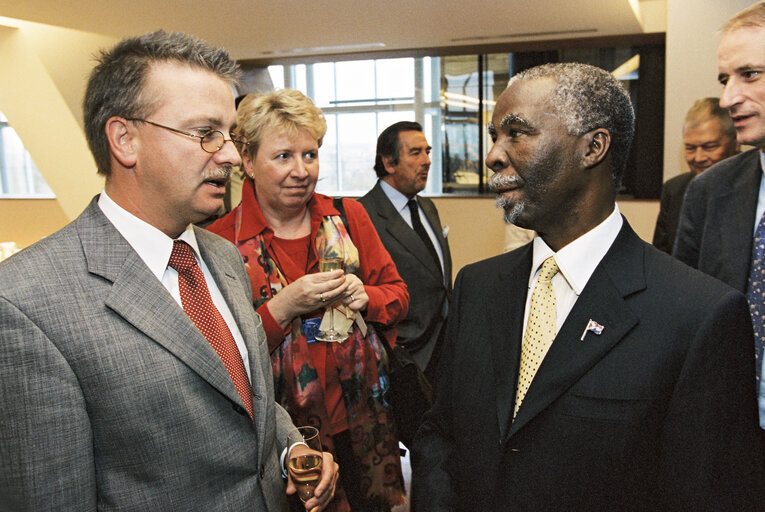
point(151, 244)
point(398, 199)
point(577, 260)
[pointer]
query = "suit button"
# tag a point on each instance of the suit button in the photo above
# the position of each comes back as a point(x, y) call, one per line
point(241, 410)
point(262, 471)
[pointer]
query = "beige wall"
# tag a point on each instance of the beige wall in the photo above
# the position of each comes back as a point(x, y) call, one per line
point(692, 39)
point(26, 221)
point(40, 94)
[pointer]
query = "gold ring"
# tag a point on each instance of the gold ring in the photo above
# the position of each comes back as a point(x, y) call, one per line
point(321, 296)
point(352, 299)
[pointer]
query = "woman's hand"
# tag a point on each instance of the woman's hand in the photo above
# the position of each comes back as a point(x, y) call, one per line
point(356, 296)
point(308, 293)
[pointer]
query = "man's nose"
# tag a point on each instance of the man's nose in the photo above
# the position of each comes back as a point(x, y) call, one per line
point(228, 154)
point(731, 94)
point(700, 155)
point(496, 160)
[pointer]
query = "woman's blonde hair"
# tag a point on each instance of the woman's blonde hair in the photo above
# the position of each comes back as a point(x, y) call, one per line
point(286, 111)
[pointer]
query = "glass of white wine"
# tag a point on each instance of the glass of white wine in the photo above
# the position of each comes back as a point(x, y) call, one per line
point(328, 264)
point(305, 469)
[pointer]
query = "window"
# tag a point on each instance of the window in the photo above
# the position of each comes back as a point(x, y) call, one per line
point(19, 177)
point(452, 97)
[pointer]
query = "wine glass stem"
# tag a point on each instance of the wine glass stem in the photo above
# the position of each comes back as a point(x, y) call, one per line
point(331, 319)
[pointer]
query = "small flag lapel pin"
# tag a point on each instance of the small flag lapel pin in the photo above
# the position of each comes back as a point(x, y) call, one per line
point(592, 326)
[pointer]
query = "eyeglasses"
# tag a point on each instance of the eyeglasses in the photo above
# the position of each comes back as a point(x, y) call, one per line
point(211, 141)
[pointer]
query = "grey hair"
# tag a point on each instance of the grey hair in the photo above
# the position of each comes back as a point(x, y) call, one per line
point(587, 97)
point(709, 108)
point(116, 86)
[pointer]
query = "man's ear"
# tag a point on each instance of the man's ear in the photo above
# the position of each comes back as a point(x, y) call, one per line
point(122, 141)
point(389, 168)
point(596, 144)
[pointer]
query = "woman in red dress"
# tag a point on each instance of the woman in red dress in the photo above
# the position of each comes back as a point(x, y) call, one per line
point(282, 228)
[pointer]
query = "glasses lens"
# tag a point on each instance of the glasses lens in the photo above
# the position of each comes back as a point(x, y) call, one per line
point(213, 141)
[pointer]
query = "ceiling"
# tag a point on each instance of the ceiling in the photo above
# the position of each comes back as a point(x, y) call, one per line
point(252, 29)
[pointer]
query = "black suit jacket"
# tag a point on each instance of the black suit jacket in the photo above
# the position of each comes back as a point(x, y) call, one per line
point(428, 290)
point(717, 221)
point(655, 413)
point(672, 194)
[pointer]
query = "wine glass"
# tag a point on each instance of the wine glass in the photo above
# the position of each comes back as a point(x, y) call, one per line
point(328, 262)
point(305, 469)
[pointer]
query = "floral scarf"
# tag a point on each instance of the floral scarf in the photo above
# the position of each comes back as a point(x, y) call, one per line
point(362, 366)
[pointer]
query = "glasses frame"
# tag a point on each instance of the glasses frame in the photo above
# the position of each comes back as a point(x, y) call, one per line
point(201, 138)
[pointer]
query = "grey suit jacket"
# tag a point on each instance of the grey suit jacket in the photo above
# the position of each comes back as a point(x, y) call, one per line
point(112, 399)
point(656, 413)
point(428, 291)
point(717, 219)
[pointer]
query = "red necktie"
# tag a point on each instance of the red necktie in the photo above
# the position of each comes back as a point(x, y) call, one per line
point(198, 304)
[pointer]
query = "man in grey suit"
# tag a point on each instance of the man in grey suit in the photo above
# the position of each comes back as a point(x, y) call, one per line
point(721, 223)
point(112, 398)
point(410, 228)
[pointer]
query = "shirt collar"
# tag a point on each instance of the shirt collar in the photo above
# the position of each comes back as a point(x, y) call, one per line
point(151, 244)
point(398, 199)
point(578, 260)
point(255, 223)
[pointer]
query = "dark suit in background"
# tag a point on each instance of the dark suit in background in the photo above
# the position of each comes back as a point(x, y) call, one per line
point(672, 193)
point(429, 290)
point(717, 222)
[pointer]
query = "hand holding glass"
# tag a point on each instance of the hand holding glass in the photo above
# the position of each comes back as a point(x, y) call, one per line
point(305, 469)
point(327, 265)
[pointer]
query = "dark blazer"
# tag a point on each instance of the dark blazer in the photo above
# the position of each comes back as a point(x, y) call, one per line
point(672, 193)
point(717, 221)
point(655, 413)
point(112, 399)
point(419, 331)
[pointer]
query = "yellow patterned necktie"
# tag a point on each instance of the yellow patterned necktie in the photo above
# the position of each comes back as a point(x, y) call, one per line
point(540, 329)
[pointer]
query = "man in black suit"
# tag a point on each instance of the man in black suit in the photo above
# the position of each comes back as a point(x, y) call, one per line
point(708, 137)
point(642, 397)
point(723, 209)
point(418, 245)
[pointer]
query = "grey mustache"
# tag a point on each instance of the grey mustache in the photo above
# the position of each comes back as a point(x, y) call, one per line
point(500, 181)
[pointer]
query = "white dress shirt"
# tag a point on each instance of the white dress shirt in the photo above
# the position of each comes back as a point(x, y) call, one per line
point(576, 261)
point(154, 248)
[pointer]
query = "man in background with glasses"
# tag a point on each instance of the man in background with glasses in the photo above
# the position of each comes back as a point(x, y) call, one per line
point(133, 372)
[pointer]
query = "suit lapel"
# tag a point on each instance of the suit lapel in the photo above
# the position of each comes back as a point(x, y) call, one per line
point(141, 300)
point(435, 222)
point(737, 205)
point(507, 329)
point(620, 273)
point(400, 230)
point(240, 305)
